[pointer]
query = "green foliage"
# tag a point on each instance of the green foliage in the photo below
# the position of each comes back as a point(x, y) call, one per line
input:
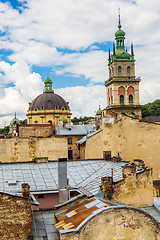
point(4, 130)
point(23, 121)
point(151, 109)
point(84, 119)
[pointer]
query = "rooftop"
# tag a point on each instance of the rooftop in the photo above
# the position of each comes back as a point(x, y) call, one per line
point(85, 175)
point(82, 130)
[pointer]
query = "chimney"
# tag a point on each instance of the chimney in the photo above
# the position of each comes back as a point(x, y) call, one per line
point(25, 190)
point(62, 180)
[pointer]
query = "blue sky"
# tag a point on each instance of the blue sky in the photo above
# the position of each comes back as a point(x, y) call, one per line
point(69, 41)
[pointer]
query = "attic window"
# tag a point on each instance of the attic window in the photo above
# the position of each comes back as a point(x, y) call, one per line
point(62, 108)
point(49, 101)
point(12, 182)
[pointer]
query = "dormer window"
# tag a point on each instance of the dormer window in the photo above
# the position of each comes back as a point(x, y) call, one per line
point(49, 101)
point(35, 109)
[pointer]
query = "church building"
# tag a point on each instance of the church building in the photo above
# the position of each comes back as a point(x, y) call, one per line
point(122, 86)
point(48, 108)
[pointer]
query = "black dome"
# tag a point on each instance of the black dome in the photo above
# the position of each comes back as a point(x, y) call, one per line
point(49, 101)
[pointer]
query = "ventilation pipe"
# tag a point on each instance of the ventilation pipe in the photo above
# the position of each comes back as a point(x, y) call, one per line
point(62, 180)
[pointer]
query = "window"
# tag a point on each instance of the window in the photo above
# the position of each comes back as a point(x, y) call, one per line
point(50, 122)
point(36, 122)
point(69, 141)
point(119, 69)
point(130, 98)
point(128, 69)
point(40, 196)
point(121, 99)
point(112, 100)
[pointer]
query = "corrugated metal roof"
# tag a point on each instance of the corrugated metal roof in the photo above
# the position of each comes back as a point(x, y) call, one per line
point(72, 217)
point(81, 130)
point(44, 176)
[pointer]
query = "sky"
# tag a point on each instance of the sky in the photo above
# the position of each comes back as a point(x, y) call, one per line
point(68, 41)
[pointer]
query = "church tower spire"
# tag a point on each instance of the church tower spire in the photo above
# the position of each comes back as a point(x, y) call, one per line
point(122, 86)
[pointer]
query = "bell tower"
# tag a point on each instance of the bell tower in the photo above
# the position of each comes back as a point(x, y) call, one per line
point(122, 86)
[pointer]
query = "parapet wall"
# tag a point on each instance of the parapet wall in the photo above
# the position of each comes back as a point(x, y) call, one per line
point(136, 188)
point(26, 149)
point(35, 130)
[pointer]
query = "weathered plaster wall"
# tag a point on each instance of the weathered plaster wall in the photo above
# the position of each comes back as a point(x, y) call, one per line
point(136, 189)
point(118, 224)
point(132, 138)
point(15, 217)
point(26, 149)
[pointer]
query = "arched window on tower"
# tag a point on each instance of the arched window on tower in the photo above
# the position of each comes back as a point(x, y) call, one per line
point(128, 69)
point(121, 99)
point(119, 69)
point(130, 99)
point(109, 101)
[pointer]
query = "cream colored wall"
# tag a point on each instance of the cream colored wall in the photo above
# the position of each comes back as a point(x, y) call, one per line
point(117, 224)
point(19, 149)
point(134, 139)
point(94, 147)
point(43, 116)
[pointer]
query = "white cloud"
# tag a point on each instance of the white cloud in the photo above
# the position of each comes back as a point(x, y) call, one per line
point(84, 100)
point(34, 36)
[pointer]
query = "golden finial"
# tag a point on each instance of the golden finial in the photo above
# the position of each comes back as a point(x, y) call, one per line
point(119, 12)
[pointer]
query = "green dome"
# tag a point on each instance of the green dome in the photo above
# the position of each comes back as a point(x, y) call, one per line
point(123, 54)
point(64, 120)
point(14, 121)
point(99, 112)
point(120, 33)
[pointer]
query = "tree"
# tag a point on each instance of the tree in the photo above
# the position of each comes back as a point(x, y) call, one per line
point(151, 109)
point(4, 130)
point(84, 119)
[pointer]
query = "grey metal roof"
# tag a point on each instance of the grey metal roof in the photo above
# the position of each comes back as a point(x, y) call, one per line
point(84, 139)
point(43, 226)
point(48, 100)
point(81, 130)
point(44, 176)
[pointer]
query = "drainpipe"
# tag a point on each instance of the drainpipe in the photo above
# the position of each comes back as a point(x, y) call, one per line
point(62, 180)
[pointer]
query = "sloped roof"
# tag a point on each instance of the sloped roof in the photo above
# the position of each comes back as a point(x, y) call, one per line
point(84, 139)
point(80, 130)
point(85, 174)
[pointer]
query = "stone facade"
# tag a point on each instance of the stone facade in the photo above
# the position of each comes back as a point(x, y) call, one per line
point(35, 130)
point(136, 189)
point(118, 223)
point(26, 149)
point(15, 217)
point(45, 116)
point(122, 86)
